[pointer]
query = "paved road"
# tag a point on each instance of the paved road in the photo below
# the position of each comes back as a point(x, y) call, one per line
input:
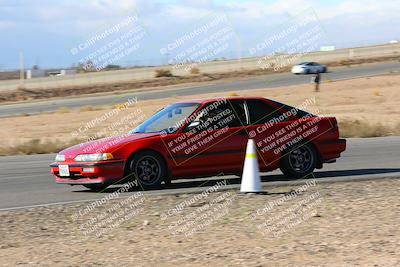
point(25, 180)
point(268, 81)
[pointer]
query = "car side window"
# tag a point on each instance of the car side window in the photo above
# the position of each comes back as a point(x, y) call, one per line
point(261, 112)
point(229, 114)
point(239, 111)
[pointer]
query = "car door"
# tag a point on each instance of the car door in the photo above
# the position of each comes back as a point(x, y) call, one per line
point(315, 67)
point(215, 139)
point(310, 67)
point(267, 128)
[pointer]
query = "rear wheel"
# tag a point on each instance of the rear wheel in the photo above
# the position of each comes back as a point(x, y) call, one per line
point(148, 168)
point(299, 161)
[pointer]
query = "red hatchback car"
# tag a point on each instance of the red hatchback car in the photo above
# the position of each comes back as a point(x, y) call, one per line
point(202, 138)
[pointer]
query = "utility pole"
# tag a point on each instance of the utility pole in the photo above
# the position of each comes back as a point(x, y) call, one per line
point(21, 68)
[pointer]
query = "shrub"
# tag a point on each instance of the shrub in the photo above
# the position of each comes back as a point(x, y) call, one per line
point(163, 73)
point(376, 93)
point(233, 94)
point(86, 108)
point(112, 67)
point(195, 70)
point(63, 110)
point(357, 128)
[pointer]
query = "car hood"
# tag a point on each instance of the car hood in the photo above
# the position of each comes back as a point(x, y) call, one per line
point(103, 145)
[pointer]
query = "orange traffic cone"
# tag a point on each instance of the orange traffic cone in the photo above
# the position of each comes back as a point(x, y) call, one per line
point(251, 182)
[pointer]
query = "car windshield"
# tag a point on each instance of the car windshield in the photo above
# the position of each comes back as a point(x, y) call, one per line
point(169, 119)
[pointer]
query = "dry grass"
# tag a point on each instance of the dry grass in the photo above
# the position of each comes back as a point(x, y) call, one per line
point(357, 128)
point(165, 78)
point(195, 71)
point(63, 110)
point(163, 73)
point(86, 108)
point(348, 128)
point(37, 146)
point(233, 94)
point(377, 93)
point(355, 103)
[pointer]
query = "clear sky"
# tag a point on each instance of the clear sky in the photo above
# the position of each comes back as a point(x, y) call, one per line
point(46, 30)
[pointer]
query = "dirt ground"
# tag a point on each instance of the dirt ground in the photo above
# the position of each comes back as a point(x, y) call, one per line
point(24, 94)
point(321, 224)
point(365, 107)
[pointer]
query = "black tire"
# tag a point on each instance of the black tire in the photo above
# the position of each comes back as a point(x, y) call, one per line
point(96, 187)
point(148, 168)
point(307, 71)
point(299, 161)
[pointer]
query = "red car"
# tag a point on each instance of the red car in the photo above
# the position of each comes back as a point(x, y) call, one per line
point(202, 138)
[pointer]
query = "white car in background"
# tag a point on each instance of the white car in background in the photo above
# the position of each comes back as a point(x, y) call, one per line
point(309, 67)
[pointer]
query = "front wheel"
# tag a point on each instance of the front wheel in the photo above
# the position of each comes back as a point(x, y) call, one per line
point(148, 168)
point(299, 161)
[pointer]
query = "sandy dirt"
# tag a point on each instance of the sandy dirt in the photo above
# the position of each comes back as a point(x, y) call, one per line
point(329, 224)
point(364, 107)
point(59, 90)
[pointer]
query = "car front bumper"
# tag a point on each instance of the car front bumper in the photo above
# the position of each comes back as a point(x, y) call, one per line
point(100, 172)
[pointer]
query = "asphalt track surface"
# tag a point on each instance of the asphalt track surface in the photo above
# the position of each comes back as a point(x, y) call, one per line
point(267, 81)
point(26, 181)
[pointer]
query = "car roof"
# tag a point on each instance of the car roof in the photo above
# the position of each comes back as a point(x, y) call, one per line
point(308, 62)
point(209, 100)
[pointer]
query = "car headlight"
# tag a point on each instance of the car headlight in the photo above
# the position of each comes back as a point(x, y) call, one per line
point(60, 157)
point(94, 157)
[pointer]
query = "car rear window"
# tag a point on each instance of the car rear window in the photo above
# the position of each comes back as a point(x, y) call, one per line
point(285, 108)
point(261, 112)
